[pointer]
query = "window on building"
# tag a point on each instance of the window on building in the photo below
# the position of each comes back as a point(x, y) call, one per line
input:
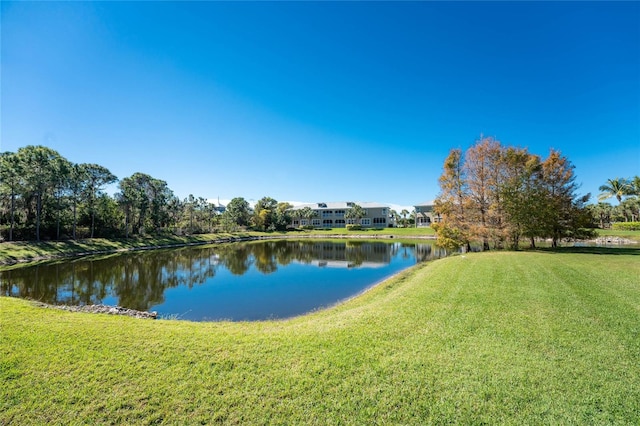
point(351, 221)
point(339, 223)
point(316, 222)
point(303, 222)
point(379, 220)
point(327, 223)
point(366, 221)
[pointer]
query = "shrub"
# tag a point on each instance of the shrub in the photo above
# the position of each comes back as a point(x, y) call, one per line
point(354, 227)
point(626, 226)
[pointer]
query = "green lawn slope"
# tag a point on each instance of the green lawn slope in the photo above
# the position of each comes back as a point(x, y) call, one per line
point(509, 337)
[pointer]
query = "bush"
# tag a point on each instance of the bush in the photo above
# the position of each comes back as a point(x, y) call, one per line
point(626, 226)
point(354, 227)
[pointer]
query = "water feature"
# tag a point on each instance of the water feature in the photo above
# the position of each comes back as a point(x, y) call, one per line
point(242, 281)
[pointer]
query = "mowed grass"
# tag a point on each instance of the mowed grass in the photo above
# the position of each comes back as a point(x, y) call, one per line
point(486, 338)
point(21, 251)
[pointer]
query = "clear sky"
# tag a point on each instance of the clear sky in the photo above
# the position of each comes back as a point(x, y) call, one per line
point(320, 101)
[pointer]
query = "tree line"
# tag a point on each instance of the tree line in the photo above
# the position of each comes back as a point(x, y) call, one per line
point(627, 193)
point(500, 196)
point(45, 196)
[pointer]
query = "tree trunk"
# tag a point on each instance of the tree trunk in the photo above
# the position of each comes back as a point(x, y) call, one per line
point(58, 221)
point(126, 222)
point(75, 220)
point(13, 209)
point(38, 209)
point(93, 221)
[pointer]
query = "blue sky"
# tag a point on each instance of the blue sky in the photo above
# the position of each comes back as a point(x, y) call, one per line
point(317, 101)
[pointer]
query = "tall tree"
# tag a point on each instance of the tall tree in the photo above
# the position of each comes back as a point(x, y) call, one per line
point(11, 179)
point(452, 231)
point(264, 214)
point(283, 216)
point(78, 178)
point(497, 193)
point(97, 177)
point(559, 184)
point(238, 211)
point(520, 195)
point(147, 197)
point(404, 214)
point(190, 208)
point(61, 176)
point(480, 165)
point(40, 175)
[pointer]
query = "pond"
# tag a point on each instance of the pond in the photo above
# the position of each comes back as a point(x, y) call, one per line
point(241, 281)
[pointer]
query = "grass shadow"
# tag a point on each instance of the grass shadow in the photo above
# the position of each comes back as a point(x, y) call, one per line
point(622, 250)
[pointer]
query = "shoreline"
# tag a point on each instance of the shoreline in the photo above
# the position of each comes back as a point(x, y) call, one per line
point(224, 240)
point(122, 311)
point(100, 309)
point(613, 240)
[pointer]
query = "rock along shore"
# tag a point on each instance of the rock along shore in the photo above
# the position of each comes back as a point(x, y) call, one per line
point(103, 309)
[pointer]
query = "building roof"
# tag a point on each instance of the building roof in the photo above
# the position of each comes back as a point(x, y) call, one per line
point(340, 205)
point(426, 203)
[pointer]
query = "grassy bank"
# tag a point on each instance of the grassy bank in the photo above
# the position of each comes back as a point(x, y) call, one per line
point(22, 251)
point(25, 251)
point(630, 235)
point(515, 338)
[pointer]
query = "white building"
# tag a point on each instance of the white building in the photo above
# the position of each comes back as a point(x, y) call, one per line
point(425, 215)
point(332, 215)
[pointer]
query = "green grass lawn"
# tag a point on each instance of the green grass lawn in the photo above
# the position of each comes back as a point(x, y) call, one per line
point(498, 337)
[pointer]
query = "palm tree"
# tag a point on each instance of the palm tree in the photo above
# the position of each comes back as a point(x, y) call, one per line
point(635, 186)
point(394, 215)
point(307, 213)
point(355, 212)
point(617, 187)
point(404, 214)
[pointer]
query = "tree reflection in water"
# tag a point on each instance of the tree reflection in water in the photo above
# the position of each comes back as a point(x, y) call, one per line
point(139, 280)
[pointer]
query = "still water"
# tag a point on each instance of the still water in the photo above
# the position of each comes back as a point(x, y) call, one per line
point(242, 281)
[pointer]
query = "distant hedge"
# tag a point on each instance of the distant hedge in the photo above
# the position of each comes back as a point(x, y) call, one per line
point(354, 227)
point(626, 226)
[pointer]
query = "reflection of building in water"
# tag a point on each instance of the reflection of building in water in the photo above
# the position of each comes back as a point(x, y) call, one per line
point(348, 255)
point(346, 264)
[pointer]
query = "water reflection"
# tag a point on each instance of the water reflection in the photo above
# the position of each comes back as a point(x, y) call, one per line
point(225, 281)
